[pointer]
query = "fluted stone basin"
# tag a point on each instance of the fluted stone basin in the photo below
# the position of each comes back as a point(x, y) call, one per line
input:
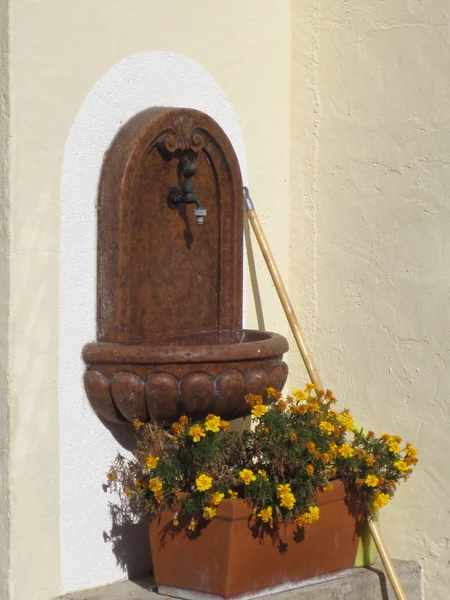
point(162, 378)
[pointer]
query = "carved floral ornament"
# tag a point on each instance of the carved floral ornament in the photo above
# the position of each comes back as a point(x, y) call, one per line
point(183, 135)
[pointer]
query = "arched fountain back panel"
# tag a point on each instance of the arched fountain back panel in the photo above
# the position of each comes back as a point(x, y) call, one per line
point(169, 295)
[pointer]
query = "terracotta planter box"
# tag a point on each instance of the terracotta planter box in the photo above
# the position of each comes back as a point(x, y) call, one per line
point(227, 559)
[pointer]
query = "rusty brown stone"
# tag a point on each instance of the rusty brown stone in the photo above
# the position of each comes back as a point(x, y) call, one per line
point(169, 296)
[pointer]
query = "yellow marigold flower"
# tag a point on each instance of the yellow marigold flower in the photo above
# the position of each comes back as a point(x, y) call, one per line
point(380, 500)
point(203, 482)
point(253, 399)
point(317, 455)
point(333, 413)
point(247, 476)
point(346, 451)
point(212, 423)
point(175, 520)
point(310, 446)
point(397, 439)
point(300, 520)
point(184, 420)
point(311, 516)
point(371, 480)
point(274, 393)
point(325, 458)
point(196, 432)
point(293, 436)
point(333, 447)
point(225, 425)
point(310, 386)
point(300, 395)
point(360, 482)
point(159, 495)
point(137, 424)
point(265, 514)
point(314, 512)
point(155, 484)
point(151, 461)
point(111, 476)
point(394, 446)
point(259, 410)
point(287, 500)
point(192, 525)
point(217, 498)
point(309, 469)
point(263, 474)
point(401, 465)
point(313, 407)
point(326, 427)
point(233, 495)
point(385, 437)
point(347, 421)
point(283, 488)
point(370, 460)
point(128, 492)
point(209, 513)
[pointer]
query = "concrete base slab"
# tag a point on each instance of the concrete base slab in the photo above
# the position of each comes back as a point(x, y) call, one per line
point(358, 584)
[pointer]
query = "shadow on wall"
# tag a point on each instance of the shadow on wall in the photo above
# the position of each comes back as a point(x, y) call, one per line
point(128, 536)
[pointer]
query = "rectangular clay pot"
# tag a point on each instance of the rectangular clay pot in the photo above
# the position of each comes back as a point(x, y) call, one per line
point(226, 559)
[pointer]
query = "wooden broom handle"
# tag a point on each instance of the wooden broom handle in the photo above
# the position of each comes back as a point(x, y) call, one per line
point(312, 371)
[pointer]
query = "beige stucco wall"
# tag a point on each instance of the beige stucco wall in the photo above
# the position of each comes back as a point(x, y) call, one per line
point(4, 300)
point(58, 51)
point(374, 80)
point(350, 123)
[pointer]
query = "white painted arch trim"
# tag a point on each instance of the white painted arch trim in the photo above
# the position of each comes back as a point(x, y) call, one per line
point(87, 448)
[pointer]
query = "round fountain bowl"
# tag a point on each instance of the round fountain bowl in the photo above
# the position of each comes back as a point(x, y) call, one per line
point(162, 378)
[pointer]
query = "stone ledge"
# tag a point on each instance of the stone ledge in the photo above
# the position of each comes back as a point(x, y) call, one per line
point(359, 584)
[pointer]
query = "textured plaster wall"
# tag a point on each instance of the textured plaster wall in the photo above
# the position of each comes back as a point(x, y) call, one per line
point(139, 81)
point(4, 302)
point(374, 78)
point(59, 50)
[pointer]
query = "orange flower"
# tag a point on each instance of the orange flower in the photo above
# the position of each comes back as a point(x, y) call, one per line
point(309, 469)
point(370, 460)
point(253, 399)
point(274, 393)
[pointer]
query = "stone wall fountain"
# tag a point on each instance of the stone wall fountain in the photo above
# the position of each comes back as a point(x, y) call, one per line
point(169, 269)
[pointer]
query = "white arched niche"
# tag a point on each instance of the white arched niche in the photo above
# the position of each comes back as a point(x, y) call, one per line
point(87, 448)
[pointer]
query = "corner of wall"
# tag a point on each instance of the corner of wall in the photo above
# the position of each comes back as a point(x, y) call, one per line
point(4, 302)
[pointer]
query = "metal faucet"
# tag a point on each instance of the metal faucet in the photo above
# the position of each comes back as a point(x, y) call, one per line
point(186, 195)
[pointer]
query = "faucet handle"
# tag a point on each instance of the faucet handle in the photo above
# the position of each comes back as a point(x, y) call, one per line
point(200, 213)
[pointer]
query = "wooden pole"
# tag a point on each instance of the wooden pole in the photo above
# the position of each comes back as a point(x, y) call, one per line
point(312, 371)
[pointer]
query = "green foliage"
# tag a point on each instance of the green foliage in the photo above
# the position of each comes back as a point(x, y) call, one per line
point(295, 448)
